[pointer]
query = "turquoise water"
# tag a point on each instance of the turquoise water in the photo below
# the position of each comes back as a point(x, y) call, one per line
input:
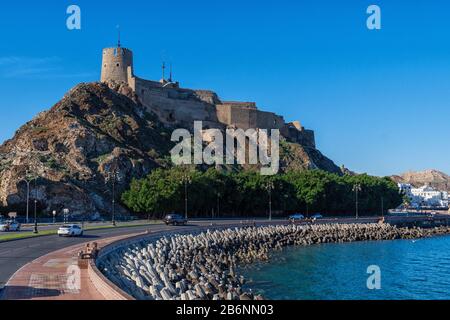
point(418, 269)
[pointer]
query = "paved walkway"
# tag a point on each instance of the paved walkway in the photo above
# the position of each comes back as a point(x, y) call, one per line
point(49, 277)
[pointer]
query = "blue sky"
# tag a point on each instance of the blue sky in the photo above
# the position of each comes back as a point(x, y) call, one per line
point(378, 100)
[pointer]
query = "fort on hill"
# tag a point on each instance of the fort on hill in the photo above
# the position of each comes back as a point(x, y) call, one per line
point(178, 106)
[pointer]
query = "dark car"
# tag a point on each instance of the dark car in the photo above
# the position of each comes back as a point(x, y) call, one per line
point(296, 217)
point(175, 220)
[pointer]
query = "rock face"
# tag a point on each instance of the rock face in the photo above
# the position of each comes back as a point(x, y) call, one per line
point(434, 178)
point(74, 146)
point(294, 156)
point(94, 130)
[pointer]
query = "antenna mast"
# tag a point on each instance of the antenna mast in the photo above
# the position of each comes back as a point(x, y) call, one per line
point(164, 71)
point(118, 30)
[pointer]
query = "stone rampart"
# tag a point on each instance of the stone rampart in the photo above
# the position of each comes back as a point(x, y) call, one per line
point(176, 106)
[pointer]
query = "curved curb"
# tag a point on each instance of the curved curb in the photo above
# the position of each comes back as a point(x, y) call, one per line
point(19, 285)
point(103, 285)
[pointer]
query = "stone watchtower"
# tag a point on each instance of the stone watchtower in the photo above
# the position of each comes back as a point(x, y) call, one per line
point(117, 64)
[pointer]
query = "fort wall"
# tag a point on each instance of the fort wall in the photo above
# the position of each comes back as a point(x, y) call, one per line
point(224, 114)
point(269, 120)
point(246, 116)
point(174, 105)
point(177, 106)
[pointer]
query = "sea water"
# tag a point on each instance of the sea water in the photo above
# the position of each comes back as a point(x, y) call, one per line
point(409, 269)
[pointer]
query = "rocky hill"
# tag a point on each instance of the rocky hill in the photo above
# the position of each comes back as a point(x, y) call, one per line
point(436, 179)
point(95, 130)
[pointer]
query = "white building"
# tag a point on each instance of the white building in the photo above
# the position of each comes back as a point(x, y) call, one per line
point(425, 196)
point(405, 188)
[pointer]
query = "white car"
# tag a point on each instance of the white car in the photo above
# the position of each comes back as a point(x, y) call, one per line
point(70, 230)
point(317, 216)
point(10, 225)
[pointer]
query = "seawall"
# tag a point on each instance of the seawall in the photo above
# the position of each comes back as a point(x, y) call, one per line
point(203, 265)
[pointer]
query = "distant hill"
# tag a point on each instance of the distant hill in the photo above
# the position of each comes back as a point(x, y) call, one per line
point(434, 178)
point(73, 146)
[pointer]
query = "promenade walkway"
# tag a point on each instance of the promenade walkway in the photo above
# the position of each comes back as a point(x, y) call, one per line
point(47, 277)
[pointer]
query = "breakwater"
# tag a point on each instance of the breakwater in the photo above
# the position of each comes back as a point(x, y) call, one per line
point(203, 266)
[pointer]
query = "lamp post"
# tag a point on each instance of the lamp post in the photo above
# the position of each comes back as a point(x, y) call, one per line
point(186, 180)
point(218, 205)
point(28, 181)
point(286, 197)
point(35, 208)
point(357, 189)
point(66, 216)
point(35, 203)
point(270, 186)
point(382, 207)
point(113, 176)
point(114, 201)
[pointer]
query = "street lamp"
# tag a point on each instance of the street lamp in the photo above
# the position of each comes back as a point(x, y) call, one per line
point(286, 197)
point(28, 181)
point(113, 176)
point(186, 179)
point(66, 215)
point(35, 208)
point(357, 189)
point(35, 205)
point(218, 205)
point(269, 187)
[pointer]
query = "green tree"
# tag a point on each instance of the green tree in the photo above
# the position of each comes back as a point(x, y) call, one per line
point(245, 193)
